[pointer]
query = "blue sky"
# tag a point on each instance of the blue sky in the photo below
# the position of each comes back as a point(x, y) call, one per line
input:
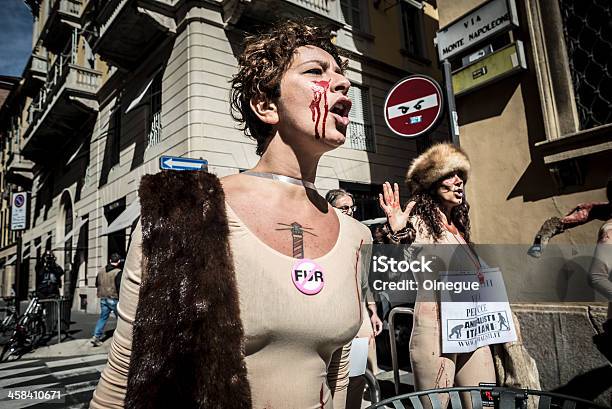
point(15, 37)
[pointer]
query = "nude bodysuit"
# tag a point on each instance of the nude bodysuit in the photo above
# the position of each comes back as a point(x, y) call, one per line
point(290, 337)
point(433, 369)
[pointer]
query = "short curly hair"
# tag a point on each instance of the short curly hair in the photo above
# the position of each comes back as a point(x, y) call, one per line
point(261, 66)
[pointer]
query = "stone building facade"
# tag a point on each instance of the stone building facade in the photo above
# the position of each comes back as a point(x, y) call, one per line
point(128, 81)
point(540, 140)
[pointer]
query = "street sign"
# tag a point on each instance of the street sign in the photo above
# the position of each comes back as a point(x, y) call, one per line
point(491, 18)
point(477, 55)
point(19, 207)
point(413, 106)
point(492, 68)
point(178, 163)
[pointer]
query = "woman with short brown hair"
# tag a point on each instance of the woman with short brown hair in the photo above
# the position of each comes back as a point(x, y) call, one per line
point(241, 292)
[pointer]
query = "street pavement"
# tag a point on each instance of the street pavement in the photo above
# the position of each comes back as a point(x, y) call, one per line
point(72, 367)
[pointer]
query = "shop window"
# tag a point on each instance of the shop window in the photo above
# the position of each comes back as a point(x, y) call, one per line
point(366, 199)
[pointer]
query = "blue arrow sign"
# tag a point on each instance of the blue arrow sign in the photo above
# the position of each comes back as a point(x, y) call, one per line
point(178, 163)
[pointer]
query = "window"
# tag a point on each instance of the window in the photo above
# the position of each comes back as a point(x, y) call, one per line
point(155, 105)
point(360, 133)
point(412, 41)
point(90, 58)
point(114, 134)
point(14, 136)
point(571, 57)
point(353, 15)
point(68, 226)
point(116, 240)
point(587, 30)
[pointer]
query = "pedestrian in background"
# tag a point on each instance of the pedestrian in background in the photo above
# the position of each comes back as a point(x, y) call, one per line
point(341, 200)
point(48, 276)
point(345, 202)
point(107, 282)
point(600, 276)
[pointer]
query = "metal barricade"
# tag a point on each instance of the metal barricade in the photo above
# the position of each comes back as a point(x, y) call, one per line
point(56, 312)
point(373, 386)
point(395, 311)
point(498, 397)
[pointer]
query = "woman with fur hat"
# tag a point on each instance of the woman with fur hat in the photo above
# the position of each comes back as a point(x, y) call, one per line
point(437, 214)
point(241, 292)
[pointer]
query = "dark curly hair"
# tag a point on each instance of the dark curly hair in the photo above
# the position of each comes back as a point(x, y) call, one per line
point(426, 207)
point(263, 63)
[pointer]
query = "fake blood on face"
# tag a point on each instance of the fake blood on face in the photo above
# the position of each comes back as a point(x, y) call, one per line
point(319, 90)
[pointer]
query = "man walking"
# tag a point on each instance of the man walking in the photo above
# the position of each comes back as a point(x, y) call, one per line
point(107, 282)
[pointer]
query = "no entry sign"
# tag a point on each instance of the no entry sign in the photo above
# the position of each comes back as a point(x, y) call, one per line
point(413, 106)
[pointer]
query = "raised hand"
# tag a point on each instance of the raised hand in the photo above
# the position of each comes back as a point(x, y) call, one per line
point(389, 202)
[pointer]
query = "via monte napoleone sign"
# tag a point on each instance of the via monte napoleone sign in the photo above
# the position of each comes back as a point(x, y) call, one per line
point(413, 106)
point(489, 19)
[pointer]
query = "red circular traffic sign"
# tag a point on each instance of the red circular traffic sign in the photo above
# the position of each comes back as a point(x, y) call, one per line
point(413, 106)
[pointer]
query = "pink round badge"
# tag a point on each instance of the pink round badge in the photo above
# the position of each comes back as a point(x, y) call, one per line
point(308, 276)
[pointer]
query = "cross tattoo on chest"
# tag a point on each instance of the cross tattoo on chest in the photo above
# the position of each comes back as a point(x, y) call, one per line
point(297, 234)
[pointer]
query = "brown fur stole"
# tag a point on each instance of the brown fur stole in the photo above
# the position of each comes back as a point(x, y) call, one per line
point(187, 337)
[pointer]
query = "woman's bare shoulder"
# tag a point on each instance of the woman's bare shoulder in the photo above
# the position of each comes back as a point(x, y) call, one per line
point(230, 180)
point(233, 185)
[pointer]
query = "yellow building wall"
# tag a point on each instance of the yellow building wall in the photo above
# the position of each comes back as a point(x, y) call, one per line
point(511, 192)
point(386, 26)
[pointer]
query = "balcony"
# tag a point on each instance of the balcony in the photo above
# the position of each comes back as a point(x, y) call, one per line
point(61, 108)
point(38, 67)
point(128, 31)
point(325, 11)
point(19, 171)
point(64, 16)
point(35, 74)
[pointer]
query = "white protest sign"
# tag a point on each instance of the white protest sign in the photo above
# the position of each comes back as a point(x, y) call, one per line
point(358, 357)
point(474, 318)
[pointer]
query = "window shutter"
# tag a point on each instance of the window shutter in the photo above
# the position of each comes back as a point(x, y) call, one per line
point(360, 134)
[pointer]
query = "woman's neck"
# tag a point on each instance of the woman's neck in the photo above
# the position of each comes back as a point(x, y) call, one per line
point(445, 214)
point(282, 159)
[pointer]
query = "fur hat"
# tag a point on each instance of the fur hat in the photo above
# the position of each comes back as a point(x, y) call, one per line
point(433, 164)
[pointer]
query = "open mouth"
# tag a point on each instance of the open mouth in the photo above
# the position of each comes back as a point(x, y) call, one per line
point(340, 110)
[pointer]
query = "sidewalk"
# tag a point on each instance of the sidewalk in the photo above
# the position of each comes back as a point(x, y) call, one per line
point(76, 343)
point(82, 325)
